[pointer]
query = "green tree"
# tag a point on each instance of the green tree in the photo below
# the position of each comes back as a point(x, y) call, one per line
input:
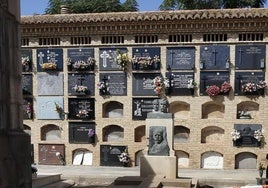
point(91, 6)
point(209, 4)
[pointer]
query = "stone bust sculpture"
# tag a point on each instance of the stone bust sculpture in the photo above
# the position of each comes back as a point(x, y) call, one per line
point(160, 105)
point(158, 142)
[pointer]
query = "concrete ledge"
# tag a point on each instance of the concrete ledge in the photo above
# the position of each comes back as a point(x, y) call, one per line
point(45, 179)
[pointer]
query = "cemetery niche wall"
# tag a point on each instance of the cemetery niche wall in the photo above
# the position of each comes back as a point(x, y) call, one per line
point(50, 59)
point(80, 59)
point(81, 84)
point(113, 84)
point(81, 108)
point(81, 132)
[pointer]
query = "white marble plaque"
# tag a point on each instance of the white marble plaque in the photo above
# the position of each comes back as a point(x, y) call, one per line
point(212, 160)
point(46, 107)
point(49, 84)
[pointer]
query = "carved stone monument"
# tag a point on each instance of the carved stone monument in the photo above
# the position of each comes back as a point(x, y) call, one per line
point(160, 157)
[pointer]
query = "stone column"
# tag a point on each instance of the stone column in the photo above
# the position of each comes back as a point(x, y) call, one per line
point(15, 158)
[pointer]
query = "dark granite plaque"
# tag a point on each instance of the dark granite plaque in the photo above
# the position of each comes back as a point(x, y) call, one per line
point(146, 58)
point(80, 132)
point(212, 78)
point(250, 57)
point(215, 57)
point(27, 84)
point(81, 84)
point(179, 58)
point(109, 155)
point(49, 59)
point(140, 107)
point(81, 108)
point(108, 57)
point(116, 83)
point(26, 60)
point(142, 84)
point(247, 138)
point(47, 154)
point(28, 108)
point(81, 59)
point(244, 78)
point(180, 83)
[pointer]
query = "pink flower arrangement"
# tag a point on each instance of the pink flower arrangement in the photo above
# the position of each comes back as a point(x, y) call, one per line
point(213, 90)
point(160, 84)
point(225, 87)
point(252, 87)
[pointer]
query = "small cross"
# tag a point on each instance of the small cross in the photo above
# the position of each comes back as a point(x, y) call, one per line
point(81, 79)
point(104, 57)
point(215, 56)
point(240, 56)
point(41, 55)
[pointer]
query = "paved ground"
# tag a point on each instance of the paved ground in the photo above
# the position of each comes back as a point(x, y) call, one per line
point(102, 176)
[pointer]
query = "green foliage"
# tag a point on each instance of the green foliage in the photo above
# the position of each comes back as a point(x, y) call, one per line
point(91, 6)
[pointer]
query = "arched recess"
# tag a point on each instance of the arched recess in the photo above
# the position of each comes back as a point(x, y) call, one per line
point(212, 134)
point(247, 110)
point(113, 133)
point(181, 134)
point(212, 110)
point(245, 160)
point(140, 134)
point(212, 160)
point(138, 155)
point(182, 159)
point(181, 110)
point(50, 132)
point(27, 129)
point(112, 109)
point(82, 156)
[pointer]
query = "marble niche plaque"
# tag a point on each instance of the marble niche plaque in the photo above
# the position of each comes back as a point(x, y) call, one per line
point(78, 132)
point(212, 78)
point(26, 60)
point(47, 153)
point(142, 84)
point(215, 57)
point(140, 108)
point(242, 78)
point(180, 83)
point(49, 84)
point(27, 108)
point(81, 84)
point(116, 83)
point(27, 84)
point(80, 54)
point(49, 55)
point(82, 108)
point(179, 58)
point(109, 155)
point(144, 53)
point(46, 108)
point(250, 57)
point(107, 58)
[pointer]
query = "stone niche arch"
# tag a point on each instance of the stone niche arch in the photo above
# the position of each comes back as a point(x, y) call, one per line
point(212, 110)
point(27, 129)
point(140, 134)
point(182, 159)
point(180, 110)
point(181, 134)
point(138, 156)
point(113, 133)
point(212, 134)
point(245, 160)
point(112, 109)
point(82, 156)
point(247, 110)
point(50, 132)
point(212, 160)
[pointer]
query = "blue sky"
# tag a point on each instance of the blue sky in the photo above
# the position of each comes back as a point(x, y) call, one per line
point(30, 7)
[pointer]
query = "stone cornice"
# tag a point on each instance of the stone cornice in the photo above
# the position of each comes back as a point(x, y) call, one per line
point(146, 16)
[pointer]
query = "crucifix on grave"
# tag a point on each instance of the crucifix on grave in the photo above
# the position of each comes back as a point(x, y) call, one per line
point(215, 56)
point(41, 55)
point(240, 51)
point(80, 80)
point(172, 57)
point(104, 57)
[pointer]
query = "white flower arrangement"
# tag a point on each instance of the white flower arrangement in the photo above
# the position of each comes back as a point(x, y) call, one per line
point(160, 84)
point(235, 135)
point(124, 158)
point(191, 84)
point(258, 135)
point(82, 113)
point(80, 88)
point(252, 87)
point(122, 59)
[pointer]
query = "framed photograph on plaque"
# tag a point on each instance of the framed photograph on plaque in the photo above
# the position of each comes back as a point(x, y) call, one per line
point(180, 58)
point(82, 132)
point(49, 59)
point(250, 57)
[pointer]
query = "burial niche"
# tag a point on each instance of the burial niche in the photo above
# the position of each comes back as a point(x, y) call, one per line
point(50, 132)
point(181, 134)
point(212, 160)
point(245, 160)
point(82, 156)
point(183, 159)
point(140, 134)
point(113, 133)
point(212, 110)
point(181, 110)
point(247, 110)
point(212, 134)
point(112, 109)
point(138, 155)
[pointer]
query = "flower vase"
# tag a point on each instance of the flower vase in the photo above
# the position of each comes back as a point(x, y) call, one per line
point(260, 173)
point(156, 65)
